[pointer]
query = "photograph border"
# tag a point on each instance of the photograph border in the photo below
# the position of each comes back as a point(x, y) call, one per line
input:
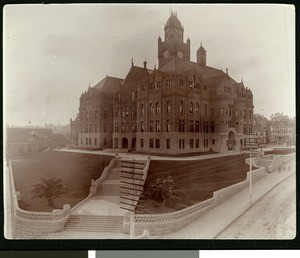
point(149, 244)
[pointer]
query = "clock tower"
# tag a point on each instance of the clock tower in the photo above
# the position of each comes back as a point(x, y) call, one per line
point(173, 46)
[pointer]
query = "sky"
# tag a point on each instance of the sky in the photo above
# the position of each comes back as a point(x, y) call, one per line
point(52, 53)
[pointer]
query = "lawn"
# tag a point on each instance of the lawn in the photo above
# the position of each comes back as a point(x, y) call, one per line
point(199, 179)
point(76, 170)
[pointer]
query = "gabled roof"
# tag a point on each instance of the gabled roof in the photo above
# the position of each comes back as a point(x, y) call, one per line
point(135, 74)
point(109, 84)
point(180, 65)
point(223, 79)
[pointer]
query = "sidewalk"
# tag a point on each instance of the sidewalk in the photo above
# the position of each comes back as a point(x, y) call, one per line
point(153, 157)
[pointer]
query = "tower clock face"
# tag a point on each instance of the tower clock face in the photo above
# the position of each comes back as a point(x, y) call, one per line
point(180, 54)
point(166, 54)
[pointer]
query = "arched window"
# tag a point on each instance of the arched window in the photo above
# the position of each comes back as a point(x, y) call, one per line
point(168, 106)
point(191, 108)
point(157, 108)
point(142, 110)
point(181, 107)
point(151, 108)
point(196, 108)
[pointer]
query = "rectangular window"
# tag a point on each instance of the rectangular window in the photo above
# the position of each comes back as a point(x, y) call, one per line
point(157, 127)
point(151, 143)
point(90, 141)
point(222, 111)
point(104, 141)
point(168, 144)
point(197, 144)
point(212, 127)
point(86, 141)
point(95, 141)
point(157, 143)
point(181, 125)
point(168, 127)
point(191, 126)
point(181, 143)
point(191, 143)
point(213, 141)
point(142, 128)
point(151, 126)
point(197, 126)
point(142, 143)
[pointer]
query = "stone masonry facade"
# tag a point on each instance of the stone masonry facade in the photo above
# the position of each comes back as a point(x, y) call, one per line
point(179, 107)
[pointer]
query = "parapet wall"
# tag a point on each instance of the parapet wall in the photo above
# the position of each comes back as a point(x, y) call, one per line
point(29, 224)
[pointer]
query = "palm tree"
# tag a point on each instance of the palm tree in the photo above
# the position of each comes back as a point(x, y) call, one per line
point(165, 189)
point(49, 190)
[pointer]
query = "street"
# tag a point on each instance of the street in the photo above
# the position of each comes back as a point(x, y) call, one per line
point(272, 217)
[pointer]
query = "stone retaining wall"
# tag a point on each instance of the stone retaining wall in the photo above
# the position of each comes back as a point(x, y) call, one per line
point(29, 224)
point(159, 224)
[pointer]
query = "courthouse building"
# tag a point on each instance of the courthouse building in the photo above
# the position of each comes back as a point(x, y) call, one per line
point(179, 107)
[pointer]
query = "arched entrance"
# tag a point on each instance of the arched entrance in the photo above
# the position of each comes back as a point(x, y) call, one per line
point(124, 143)
point(116, 143)
point(231, 142)
point(133, 143)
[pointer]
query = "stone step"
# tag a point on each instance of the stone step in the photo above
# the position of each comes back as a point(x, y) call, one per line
point(95, 223)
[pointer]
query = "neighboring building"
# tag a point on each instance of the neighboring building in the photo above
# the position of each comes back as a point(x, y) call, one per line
point(25, 141)
point(282, 133)
point(180, 107)
point(260, 130)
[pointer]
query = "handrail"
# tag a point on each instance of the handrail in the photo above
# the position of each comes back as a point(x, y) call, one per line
point(96, 183)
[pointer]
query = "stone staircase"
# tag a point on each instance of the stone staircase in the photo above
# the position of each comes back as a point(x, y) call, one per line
point(109, 190)
point(132, 182)
point(95, 223)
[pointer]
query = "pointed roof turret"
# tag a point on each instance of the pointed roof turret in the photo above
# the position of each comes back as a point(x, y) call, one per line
point(201, 49)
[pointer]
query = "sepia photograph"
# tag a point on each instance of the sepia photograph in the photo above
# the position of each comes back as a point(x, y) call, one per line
point(149, 121)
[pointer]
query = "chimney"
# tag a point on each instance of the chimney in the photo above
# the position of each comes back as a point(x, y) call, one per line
point(227, 71)
point(145, 64)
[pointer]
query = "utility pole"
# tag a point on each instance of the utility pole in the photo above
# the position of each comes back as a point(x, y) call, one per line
point(251, 144)
point(250, 179)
